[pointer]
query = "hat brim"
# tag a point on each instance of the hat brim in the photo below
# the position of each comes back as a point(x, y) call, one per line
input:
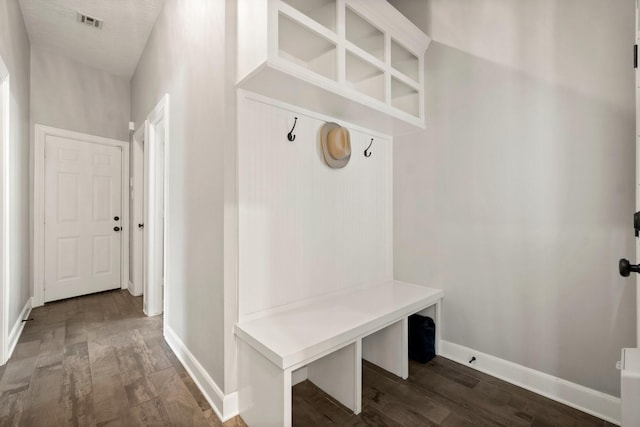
point(330, 161)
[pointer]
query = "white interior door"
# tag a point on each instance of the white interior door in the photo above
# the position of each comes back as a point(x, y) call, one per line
point(637, 71)
point(83, 218)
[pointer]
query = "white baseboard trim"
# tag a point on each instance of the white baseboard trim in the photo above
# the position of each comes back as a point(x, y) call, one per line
point(131, 289)
point(17, 329)
point(587, 400)
point(225, 406)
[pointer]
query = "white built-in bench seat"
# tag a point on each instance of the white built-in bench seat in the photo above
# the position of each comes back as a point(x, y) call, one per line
point(329, 336)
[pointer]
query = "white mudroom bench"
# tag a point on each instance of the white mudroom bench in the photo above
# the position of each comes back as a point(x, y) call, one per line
point(328, 336)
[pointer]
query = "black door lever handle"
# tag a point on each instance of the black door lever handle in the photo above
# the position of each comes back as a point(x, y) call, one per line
point(140, 225)
point(627, 268)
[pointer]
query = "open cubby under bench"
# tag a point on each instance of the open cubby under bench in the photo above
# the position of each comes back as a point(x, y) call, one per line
point(329, 336)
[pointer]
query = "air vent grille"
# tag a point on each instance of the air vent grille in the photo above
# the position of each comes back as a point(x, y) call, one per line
point(90, 20)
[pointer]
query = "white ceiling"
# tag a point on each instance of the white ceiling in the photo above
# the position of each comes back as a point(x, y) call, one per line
point(115, 48)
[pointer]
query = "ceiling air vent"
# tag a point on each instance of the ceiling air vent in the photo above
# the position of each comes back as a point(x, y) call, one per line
point(89, 20)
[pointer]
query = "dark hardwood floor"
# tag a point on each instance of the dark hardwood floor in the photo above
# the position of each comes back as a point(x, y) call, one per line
point(98, 361)
point(439, 393)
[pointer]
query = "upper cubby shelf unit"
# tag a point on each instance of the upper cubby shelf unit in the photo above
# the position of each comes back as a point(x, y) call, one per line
point(358, 60)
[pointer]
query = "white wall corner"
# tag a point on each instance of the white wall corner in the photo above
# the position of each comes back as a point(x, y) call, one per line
point(224, 405)
point(587, 400)
point(18, 327)
point(132, 290)
point(299, 375)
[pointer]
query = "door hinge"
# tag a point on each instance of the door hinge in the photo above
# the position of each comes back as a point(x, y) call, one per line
point(635, 56)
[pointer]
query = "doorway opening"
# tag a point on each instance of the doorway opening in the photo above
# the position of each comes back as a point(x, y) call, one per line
point(80, 229)
point(138, 202)
point(149, 250)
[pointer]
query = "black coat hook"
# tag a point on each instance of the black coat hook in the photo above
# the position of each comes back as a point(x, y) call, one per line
point(367, 153)
point(290, 136)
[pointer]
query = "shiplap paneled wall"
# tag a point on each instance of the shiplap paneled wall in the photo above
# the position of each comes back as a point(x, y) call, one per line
point(304, 229)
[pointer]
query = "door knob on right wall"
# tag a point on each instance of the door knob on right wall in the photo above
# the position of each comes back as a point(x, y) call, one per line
point(626, 267)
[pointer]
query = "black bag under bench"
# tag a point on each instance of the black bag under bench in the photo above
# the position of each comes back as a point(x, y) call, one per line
point(422, 338)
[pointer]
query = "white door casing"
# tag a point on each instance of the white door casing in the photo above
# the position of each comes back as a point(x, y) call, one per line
point(156, 250)
point(105, 146)
point(83, 217)
point(5, 95)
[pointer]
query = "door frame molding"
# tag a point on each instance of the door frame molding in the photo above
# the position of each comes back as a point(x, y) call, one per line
point(156, 294)
point(37, 263)
point(5, 193)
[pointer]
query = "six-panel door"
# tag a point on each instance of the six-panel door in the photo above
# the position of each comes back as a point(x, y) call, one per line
point(83, 217)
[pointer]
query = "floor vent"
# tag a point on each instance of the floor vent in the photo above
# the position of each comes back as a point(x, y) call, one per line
point(89, 20)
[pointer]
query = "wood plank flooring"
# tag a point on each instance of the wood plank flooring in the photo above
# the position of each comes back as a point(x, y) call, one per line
point(99, 361)
point(439, 393)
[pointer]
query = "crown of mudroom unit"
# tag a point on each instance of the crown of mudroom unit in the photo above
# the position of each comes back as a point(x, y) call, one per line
point(360, 60)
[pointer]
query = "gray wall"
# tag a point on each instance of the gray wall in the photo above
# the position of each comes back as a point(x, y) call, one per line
point(185, 57)
point(14, 49)
point(518, 198)
point(69, 95)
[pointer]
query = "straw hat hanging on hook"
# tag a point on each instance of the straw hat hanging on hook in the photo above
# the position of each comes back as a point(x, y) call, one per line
point(336, 145)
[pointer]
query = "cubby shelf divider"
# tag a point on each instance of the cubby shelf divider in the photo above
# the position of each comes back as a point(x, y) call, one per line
point(357, 60)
